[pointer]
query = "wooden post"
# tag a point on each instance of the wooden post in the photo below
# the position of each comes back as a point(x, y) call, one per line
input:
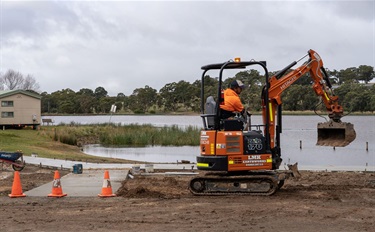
point(300, 144)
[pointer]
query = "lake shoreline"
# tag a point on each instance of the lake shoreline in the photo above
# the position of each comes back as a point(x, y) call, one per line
point(198, 114)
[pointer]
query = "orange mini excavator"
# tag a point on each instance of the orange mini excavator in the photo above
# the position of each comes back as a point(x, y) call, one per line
point(244, 159)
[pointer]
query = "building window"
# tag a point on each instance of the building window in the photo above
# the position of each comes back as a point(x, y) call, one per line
point(7, 103)
point(7, 114)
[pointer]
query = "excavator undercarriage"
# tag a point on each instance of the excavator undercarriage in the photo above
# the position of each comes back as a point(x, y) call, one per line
point(243, 185)
point(254, 183)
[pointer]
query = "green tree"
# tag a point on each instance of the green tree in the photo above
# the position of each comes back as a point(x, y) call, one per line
point(196, 93)
point(67, 106)
point(333, 76)
point(184, 94)
point(104, 105)
point(347, 75)
point(365, 73)
point(85, 91)
point(86, 104)
point(85, 100)
point(100, 92)
point(210, 87)
point(372, 98)
point(48, 103)
point(100, 105)
point(292, 98)
point(143, 98)
point(249, 78)
point(168, 99)
point(120, 101)
point(173, 96)
point(65, 101)
point(356, 97)
point(251, 95)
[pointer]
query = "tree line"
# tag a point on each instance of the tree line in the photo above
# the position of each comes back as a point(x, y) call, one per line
point(350, 85)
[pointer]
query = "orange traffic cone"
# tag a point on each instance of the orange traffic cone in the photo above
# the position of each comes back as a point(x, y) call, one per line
point(17, 187)
point(56, 186)
point(107, 188)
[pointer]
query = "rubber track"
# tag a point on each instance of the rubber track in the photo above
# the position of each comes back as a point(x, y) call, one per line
point(232, 179)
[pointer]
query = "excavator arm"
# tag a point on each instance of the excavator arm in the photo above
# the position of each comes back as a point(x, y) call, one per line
point(332, 133)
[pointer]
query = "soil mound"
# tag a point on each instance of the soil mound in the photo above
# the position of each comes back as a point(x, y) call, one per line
point(154, 187)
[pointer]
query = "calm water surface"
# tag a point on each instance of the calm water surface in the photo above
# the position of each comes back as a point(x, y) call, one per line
point(295, 129)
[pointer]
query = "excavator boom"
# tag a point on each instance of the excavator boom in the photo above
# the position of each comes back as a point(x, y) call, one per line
point(332, 133)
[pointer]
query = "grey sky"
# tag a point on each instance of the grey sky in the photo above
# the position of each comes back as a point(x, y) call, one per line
point(124, 45)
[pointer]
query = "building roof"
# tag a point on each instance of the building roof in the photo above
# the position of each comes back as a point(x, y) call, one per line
point(7, 93)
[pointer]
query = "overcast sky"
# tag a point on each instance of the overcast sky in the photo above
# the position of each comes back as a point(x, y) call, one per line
point(124, 45)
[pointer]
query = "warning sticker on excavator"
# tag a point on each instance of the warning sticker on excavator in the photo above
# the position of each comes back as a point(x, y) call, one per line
point(254, 161)
point(220, 146)
point(202, 165)
point(230, 162)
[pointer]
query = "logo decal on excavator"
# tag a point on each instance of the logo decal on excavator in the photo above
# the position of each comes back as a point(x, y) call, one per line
point(254, 157)
point(288, 82)
point(255, 144)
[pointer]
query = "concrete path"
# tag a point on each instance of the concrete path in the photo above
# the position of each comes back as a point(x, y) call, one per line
point(87, 184)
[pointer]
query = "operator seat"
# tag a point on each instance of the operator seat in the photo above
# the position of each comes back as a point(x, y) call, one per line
point(228, 122)
point(210, 111)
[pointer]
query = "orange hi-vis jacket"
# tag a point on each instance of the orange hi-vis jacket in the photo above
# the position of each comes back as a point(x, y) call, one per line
point(232, 101)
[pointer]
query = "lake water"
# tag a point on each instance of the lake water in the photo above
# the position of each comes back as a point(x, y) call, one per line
point(295, 129)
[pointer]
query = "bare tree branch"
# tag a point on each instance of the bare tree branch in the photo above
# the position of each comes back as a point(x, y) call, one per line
point(1, 82)
point(14, 80)
point(30, 83)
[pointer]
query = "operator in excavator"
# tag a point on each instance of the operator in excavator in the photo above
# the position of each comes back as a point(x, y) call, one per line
point(232, 101)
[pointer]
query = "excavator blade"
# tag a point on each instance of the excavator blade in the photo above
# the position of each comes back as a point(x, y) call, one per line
point(335, 134)
point(294, 169)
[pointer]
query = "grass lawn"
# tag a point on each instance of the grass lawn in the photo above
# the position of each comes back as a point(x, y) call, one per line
point(40, 143)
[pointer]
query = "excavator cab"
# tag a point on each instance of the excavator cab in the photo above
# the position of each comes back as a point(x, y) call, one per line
point(238, 159)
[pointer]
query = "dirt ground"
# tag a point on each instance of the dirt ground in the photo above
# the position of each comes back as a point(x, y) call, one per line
point(318, 201)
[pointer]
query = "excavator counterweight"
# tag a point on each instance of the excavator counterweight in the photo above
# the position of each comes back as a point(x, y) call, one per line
point(335, 134)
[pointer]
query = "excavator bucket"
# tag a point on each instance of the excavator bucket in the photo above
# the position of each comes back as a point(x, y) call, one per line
point(335, 134)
